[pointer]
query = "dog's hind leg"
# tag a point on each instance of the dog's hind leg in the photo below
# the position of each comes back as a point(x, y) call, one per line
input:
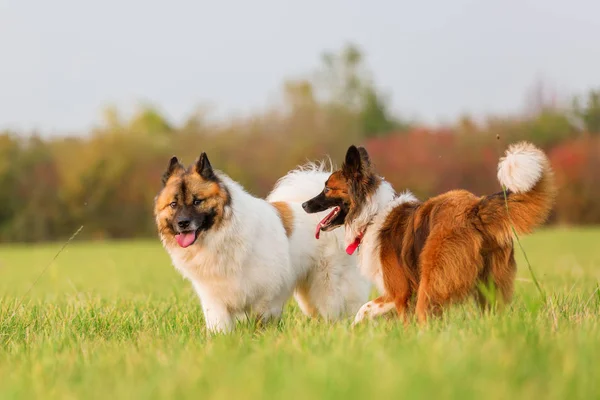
point(503, 271)
point(301, 294)
point(425, 306)
point(338, 289)
point(352, 288)
point(323, 291)
point(450, 266)
point(499, 271)
point(271, 315)
point(269, 310)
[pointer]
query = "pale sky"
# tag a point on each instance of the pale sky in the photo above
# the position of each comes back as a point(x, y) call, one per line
point(62, 61)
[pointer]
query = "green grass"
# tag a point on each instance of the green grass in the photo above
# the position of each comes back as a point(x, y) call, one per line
point(114, 320)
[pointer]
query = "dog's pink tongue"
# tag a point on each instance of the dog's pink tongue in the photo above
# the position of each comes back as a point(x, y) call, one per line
point(185, 239)
point(352, 248)
point(322, 222)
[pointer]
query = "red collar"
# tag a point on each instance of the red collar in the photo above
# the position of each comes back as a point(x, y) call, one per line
point(354, 245)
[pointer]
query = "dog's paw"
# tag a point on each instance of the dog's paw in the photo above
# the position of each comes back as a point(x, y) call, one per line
point(362, 313)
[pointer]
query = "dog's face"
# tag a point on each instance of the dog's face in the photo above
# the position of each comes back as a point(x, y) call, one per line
point(346, 191)
point(191, 202)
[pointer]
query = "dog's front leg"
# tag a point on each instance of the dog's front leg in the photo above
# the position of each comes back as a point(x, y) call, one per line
point(216, 316)
point(374, 308)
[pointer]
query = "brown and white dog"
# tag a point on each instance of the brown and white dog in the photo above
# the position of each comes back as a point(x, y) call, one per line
point(439, 249)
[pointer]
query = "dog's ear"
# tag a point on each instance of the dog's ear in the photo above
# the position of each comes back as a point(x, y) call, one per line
point(204, 169)
point(174, 166)
point(364, 156)
point(353, 165)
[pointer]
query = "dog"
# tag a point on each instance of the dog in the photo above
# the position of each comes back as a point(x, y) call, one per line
point(246, 256)
point(439, 249)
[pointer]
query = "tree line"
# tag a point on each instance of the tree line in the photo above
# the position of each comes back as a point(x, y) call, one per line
point(107, 178)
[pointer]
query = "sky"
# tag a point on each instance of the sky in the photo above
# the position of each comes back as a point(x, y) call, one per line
point(63, 61)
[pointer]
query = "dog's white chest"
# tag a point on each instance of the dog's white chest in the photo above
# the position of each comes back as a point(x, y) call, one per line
point(369, 261)
point(236, 284)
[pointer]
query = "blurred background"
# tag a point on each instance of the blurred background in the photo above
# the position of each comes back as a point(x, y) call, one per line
point(96, 97)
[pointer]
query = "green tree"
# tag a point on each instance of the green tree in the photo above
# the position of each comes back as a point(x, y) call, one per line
point(149, 121)
point(588, 114)
point(549, 127)
point(375, 118)
point(345, 81)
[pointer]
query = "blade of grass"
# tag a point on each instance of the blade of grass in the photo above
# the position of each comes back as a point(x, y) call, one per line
point(65, 244)
point(531, 272)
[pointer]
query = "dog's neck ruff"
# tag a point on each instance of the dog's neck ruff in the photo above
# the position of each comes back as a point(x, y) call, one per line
point(356, 229)
point(384, 200)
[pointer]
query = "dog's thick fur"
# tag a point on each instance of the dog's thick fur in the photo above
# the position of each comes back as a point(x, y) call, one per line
point(440, 249)
point(246, 256)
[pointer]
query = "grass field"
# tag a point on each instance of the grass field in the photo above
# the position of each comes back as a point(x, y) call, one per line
point(114, 320)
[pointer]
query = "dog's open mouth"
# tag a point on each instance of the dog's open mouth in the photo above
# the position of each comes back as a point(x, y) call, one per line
point(325, 222)
point(186, 239)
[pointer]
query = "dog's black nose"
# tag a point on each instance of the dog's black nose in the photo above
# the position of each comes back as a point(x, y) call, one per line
point(184, 223)
point(305, 206)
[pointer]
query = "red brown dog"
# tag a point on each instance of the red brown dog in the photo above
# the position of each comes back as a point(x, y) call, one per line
point(442, 248)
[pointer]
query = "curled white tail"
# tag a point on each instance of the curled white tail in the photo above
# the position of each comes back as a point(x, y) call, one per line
point(302, 183)
point(522, 167)
point(526, 174)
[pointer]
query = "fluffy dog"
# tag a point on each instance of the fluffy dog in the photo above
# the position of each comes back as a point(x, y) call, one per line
point(246, 256)
point(439, 249)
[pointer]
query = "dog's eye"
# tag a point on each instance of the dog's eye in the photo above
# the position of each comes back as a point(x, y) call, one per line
point(326, 190)
point(197, 202)
point(173, 204)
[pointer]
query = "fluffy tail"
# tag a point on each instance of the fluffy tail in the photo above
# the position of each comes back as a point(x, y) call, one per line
point(527, 177)
point(301, 184)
